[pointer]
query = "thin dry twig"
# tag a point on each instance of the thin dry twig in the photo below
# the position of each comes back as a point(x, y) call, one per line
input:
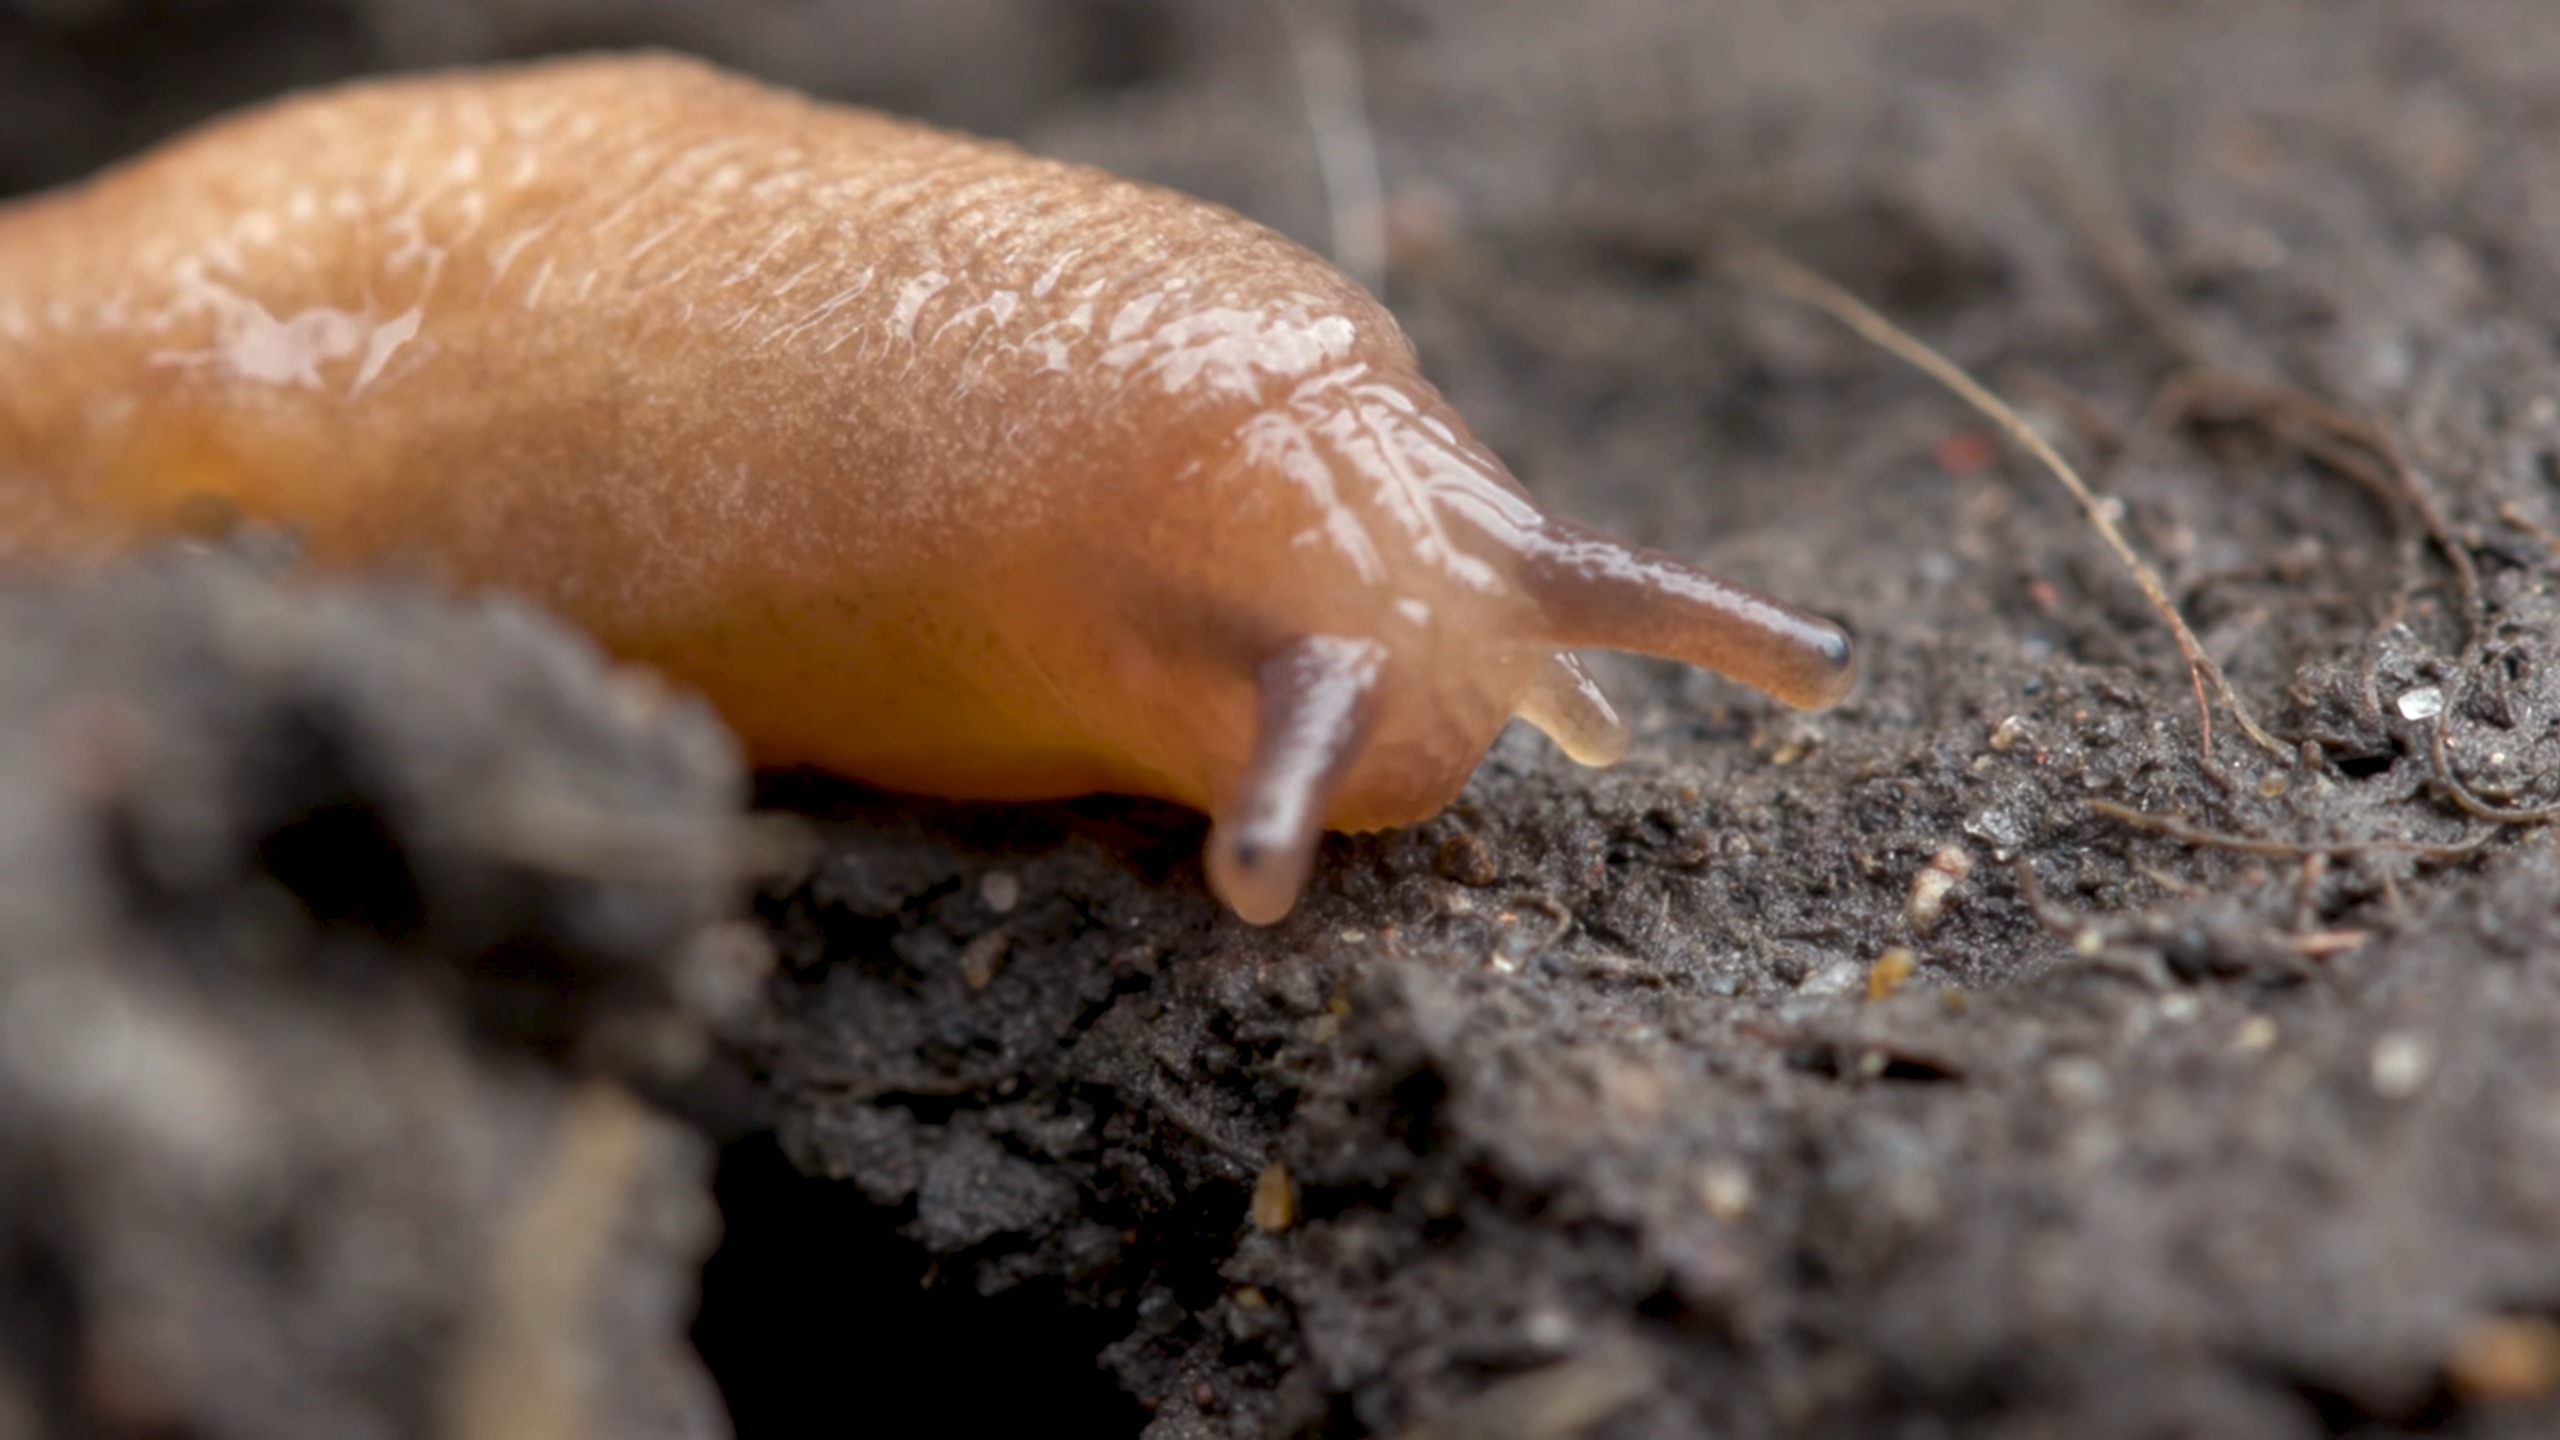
point(2328, 944)
point(2089, 937)
point(1324, 43)
point(2306, 890)
point(2362, 450)
point(2101, 939)
point(2168, 883)
point(2181, 830)
point(1553, 1402)
point(2515, 516)
point(2468, 800)
point(2323, 432)
point(2096, 431)
point(524, 1361)
point(1766, 267)
point(2119, 250)
point(2031, 890)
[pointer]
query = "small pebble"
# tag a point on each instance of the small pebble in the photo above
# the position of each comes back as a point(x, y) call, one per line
point(1547, 1328)
point(1892, 970)
point(2076, 1083)
point(1000, 891)
point(1836, 977)
point(1466, 859)
point(1724, 1191)
point(2506, 1358)
point(1275, 1199)
point(1933, 886)
point(983, 959)
point(2400, 1065)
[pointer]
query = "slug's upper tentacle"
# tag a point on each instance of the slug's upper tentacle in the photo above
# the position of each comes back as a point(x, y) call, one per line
point(1604, 594)
point(1319, 699)
point(1569, 705)
point(868, 432)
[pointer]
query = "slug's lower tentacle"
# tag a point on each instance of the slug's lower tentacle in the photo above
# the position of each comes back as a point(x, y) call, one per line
point(1569, 705)
point(1318, 701)
point(759, 390)
point(1604, 594)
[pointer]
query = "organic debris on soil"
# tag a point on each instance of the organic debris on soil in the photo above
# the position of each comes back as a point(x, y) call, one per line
point(305, 901)
point(1978, 1058)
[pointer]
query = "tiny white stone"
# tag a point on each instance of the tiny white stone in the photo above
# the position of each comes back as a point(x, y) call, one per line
point(2076, 1083)
point(1928, 899)
point(2424, 703)
point(1836, 977)
point(1000, 890)
point(1725, 1192)
point(1547, 1328)
point(2400, 1065)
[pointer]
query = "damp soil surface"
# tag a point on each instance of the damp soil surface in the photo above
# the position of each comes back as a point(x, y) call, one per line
point(2001, 1053)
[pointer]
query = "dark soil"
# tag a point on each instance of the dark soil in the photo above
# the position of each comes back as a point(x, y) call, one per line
point(1586, 1108)
point(306, 901)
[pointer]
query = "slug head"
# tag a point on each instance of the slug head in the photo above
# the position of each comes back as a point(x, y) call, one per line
point(1373, 708)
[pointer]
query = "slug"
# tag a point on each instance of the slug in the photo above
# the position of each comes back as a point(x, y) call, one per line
point(926, 461)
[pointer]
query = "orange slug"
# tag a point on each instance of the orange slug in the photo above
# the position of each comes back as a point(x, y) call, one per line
point(928, 462)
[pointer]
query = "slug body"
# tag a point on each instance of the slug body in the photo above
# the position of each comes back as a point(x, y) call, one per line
point(928, 462)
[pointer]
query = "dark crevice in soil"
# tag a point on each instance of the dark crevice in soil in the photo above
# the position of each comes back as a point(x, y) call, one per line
point(816, 1309)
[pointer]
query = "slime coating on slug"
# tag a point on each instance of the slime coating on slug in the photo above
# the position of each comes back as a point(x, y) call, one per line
point(928, 462)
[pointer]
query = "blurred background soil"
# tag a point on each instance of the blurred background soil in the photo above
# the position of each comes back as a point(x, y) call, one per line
point(1978, 1058)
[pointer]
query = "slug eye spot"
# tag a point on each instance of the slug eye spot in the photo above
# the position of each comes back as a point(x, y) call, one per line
point(1830, 663)
point(1600, 593)
point(1833, 650)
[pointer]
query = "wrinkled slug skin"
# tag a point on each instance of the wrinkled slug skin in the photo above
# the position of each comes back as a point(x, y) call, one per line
point(926, 461)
